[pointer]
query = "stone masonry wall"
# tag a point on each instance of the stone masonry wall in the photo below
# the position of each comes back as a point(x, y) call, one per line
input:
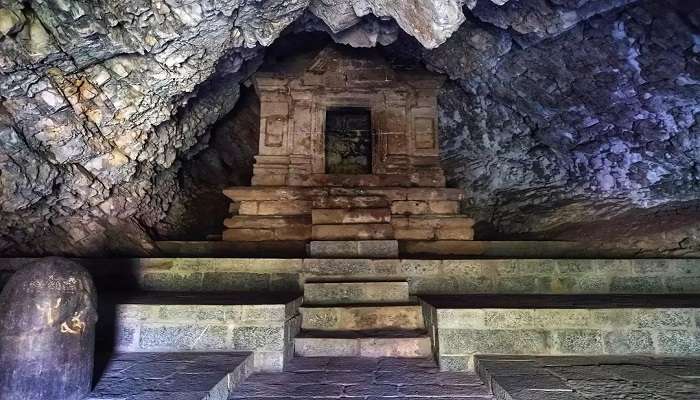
point(425, 277)
point(266, 330)
point(462, 333)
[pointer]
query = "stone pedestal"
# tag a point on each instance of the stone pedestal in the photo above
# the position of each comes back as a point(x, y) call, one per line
point(348, 153)
point(47, 332)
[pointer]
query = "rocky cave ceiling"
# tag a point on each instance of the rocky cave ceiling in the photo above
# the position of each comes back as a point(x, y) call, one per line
point(120, 121)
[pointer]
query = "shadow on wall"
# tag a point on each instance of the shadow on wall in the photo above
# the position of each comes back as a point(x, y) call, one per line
point(227, 161)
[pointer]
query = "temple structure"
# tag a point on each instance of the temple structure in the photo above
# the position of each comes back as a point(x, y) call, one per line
point(349, 154)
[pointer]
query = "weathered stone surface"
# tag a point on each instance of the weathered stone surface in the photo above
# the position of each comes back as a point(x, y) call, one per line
point(352, 232)
point(355, 292)
point(589, 377)
point(383, 378)
point(408, 347)
point(350, 216)
point(48, 313)
point(175, 376)
point(362, 318)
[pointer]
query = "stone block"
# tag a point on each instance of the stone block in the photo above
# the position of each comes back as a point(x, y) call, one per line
point(665, 318)
point(248, 235)
point(455, 234)
point(417, 347)
point(526, 284)
point(268, 361)
point(409, 207)
point(628, 342)
point(191, 313)
point(284, 207)
point(563, 318)
point(337, 266)
point(678, 341)
point(461, 318)
point(320, 318)
point(355, 292)
point(683, 284)
point(125, 338)
point(238, 281)
point(350, 216)
point(272, 193)
point(378, 249)
point(637, 284)
point(443, 207)
point(579, 341)
point(401, 233)
point(495, 341)
point(350, 202)
point(352, 231)
point(439, 221)
point(172, 281)
point(333, 249)
point(363, 318)
point(269, 179)
point(323, 347)
point(510, 318)
point(454, 363)
point(254, 221)
point(293, 233)
point(257, 338)
point(262, 312)
point(182, 337)
point(426, 194)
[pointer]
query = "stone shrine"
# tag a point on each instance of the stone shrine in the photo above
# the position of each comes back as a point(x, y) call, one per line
point(349, 153)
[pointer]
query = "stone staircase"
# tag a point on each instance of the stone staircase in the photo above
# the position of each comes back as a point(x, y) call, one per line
point(361, 319)
point(352, 225)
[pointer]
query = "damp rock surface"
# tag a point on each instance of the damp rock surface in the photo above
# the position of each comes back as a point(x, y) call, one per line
point(47, 332)
point(557, 113)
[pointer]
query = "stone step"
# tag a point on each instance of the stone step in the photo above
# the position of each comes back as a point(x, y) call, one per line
point(352, 232)
point(332, 293)
point(177, 376)
point(255, 221)
point(324, 216)
point(299, 232)
point(354, 249)
point(350, 202)
point(401, 344)
point(410, 207)
point(362, 318)
point(545, 325)
point(258, 193)
point(177, 322)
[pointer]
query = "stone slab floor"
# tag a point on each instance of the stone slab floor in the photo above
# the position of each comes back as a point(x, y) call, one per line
point(591, 377)
point(362, 378)
point(169, 376)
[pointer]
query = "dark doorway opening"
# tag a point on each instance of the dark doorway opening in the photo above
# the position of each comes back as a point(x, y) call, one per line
point(348, 140)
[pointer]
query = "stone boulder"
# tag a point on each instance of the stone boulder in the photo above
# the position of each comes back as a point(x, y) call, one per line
point(47, 332)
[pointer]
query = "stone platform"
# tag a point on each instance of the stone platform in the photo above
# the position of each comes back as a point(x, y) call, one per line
point(444, 249)
point(465, 326)
point(169, 376)
point(591, 377)
point(356, 211)
point(362, 378)
point(424, 277)
point(264, 325)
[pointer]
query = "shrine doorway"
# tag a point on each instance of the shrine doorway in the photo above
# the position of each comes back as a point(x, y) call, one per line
point(348, 140)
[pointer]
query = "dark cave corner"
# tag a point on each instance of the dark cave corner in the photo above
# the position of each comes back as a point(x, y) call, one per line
point(199, 208)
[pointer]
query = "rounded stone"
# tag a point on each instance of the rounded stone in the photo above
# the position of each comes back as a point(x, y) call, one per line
point(47, 332)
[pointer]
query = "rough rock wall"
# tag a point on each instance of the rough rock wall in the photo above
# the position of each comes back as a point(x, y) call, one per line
point(100, 102)
point(590, 125)
point(554, 116)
